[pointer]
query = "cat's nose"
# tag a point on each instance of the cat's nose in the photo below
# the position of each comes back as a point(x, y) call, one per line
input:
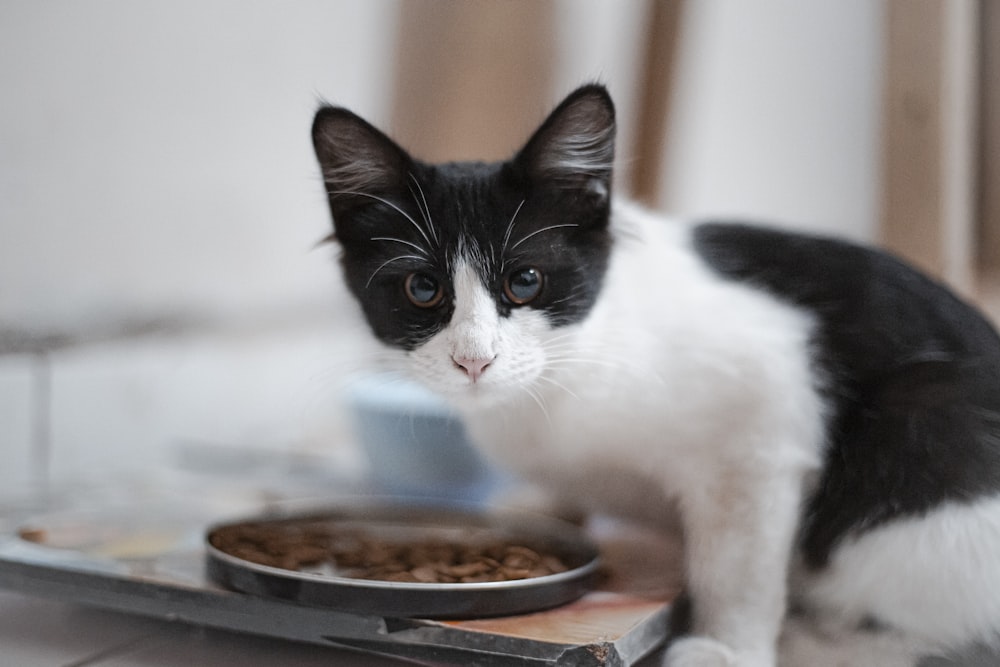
point(474, 368)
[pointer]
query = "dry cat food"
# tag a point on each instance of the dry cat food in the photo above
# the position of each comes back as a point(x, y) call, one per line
point(352, 551)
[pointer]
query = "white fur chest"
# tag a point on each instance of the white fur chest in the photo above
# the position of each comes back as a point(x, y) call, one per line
point(653, 391)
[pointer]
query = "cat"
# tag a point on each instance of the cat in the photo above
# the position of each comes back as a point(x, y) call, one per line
point(824, 418)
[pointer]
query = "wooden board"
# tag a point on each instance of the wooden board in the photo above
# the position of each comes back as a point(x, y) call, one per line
point(148, 561)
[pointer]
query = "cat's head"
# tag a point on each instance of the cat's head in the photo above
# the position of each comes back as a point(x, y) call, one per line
point(471, 271)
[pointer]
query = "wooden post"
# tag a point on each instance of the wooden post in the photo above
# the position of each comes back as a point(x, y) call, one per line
point(989, 144)
point(662, 37)
point(930, 131)
point(474, 77)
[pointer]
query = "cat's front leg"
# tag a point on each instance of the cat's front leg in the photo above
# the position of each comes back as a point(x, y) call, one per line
point(739, 529)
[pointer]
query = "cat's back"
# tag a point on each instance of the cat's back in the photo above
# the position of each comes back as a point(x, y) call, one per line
point(880, 305)
point(911, 374)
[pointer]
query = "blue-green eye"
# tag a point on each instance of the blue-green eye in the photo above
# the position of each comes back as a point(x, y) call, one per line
point(423, 291)
point(522, 286)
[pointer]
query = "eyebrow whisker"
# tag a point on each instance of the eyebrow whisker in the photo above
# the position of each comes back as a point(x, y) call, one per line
point(395, 240)
point(543, 229)
point(510, 229)
point(425, 212)
point(387, 263)
point(389, 204)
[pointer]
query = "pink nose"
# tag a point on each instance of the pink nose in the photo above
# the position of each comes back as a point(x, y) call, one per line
point(474, 368)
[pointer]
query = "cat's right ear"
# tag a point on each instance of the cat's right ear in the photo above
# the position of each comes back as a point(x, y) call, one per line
point(358, 162)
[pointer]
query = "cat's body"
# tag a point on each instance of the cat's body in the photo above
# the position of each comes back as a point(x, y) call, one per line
point(823, 418)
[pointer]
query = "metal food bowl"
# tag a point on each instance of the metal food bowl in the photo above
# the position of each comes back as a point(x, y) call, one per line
point(402, 521)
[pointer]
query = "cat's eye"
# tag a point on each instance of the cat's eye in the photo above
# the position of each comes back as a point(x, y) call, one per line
point(522, 286)
point(423, 291)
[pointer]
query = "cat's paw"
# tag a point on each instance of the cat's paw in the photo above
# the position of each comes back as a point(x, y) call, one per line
point(700, 652)
point(707, 652)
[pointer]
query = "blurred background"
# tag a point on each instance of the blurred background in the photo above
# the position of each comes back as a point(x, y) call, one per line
point(162, 298)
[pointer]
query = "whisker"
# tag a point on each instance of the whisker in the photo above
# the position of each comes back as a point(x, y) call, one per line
point(570, 296)
point(420, 208)
point(571, 343)
point(510, 229)
point(560, 337)
point(535, 396)
point(389, 204)
point(509, 259)
point(544, 229)
point(566, 351)
point(387, 263)
point(395, 240)
point(589, 361)
point(559, 385)
point(426, 211)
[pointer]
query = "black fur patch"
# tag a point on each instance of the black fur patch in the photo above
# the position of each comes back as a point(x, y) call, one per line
point(912, 374)
point(394, 215)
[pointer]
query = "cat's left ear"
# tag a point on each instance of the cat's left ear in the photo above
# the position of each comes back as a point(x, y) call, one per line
point(575, 147)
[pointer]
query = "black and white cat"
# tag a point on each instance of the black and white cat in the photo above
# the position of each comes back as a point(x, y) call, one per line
point(825, 419)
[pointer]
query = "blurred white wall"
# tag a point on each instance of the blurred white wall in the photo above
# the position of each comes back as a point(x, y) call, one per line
point(776, 114)
point(601, 40)
point(155, 162)
point(156, 156)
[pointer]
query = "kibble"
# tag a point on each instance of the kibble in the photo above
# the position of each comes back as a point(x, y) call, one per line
point(351, 552)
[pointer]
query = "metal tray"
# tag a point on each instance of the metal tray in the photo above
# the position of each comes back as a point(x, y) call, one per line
point(413, 599)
